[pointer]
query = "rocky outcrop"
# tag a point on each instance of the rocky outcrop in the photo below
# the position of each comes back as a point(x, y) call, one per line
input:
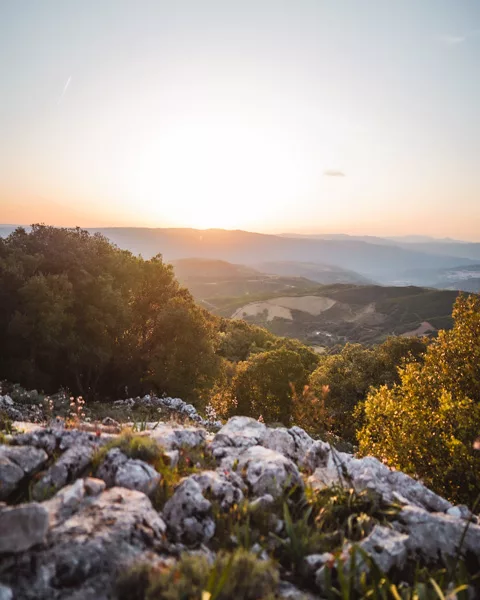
point(74, 544)
point(265, 471)
point(119, 470)
point(343, 469)
point(86, 545)
point(17, 462)
point(22, 527)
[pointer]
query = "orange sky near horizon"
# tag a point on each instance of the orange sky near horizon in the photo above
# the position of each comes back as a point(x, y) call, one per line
point(267, 116)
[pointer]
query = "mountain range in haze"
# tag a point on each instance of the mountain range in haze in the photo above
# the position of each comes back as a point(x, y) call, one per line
point(417, 260)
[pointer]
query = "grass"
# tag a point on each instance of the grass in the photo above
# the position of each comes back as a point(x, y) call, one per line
point(232, 575)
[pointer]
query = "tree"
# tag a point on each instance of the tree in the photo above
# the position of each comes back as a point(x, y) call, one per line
point(78, 312)
point(350, 374)
point(262, 385)
point(427, 423)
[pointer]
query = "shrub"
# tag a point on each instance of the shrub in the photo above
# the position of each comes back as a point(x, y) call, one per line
point(427, 424)
point(350, 375)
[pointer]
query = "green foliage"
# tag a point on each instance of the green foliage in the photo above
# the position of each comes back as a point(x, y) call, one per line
point(426, 424)
point(133, 445)
point(358, 577)
point(77, 312)
point(237, 575)
point(6, 424)
point(350, 374)
point(262, 385)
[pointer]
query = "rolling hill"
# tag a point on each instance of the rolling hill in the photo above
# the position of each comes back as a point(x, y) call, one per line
point(348, 313)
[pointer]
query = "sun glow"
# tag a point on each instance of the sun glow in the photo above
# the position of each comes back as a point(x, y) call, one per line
point(217, 174)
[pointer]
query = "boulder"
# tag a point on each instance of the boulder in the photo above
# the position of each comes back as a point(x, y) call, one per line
point(22, 527)
point(87, 550)
point(175, 438)
point(10, 477)
point(265, 471)
point(239, 432)
point(344, 469)
point(188, 514)
point(133, 474)
point(433, 536)
point(296, 444)
point(28, 458)
point(71, 465)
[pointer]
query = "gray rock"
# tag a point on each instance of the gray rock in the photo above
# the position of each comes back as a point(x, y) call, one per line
point(86, 551)
point(386, 547)
point(71, 465)
point(288, 591)
point(10, 476)
point(227, 490)
point(369, 473)
point(239, 432)
point(28, 458)
point(296, 444)
point(5, 592)
point(188, 514)
point(266, 471)
point(133, 474)
point(22, 527)
point(174, 438)
point(433, 536)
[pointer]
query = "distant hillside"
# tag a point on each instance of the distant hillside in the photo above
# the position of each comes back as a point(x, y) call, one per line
point(204, 268)
point(211, 281)
point(340, 313)
point(373, 258)
point(321, 273)
point(379, 262)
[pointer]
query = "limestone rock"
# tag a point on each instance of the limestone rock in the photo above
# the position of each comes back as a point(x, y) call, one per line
point(174, 438)
point(86, 551)
point(435, 535)
point(133, 474)
point(71, 465)
point(369, 473)
point(188, 514)
point(28, 458)
point(22, 527)
point(296, 444)
point(239, 432)
point(10, 476)
point(266, 471)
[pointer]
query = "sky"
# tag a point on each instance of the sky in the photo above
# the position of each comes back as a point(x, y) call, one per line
point(360, 117)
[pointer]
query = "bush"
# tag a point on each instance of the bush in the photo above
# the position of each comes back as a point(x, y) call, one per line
point(427, 424)
point(350, 375)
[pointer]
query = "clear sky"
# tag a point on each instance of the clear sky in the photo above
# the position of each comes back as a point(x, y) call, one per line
point(269, 115)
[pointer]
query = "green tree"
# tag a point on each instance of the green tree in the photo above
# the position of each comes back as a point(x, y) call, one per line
point(262, 385)
point(350, 375)
point(76, 311)
point(427, 423)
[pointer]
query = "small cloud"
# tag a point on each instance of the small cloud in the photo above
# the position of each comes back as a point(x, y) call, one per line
point(333, 173)
point(453, 40)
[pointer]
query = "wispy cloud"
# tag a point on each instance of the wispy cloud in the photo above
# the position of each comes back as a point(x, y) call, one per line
point(333, 173)
point(65, 88)
point(454, 40)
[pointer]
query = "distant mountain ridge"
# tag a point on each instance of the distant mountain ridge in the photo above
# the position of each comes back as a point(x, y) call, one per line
point(384, 261)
